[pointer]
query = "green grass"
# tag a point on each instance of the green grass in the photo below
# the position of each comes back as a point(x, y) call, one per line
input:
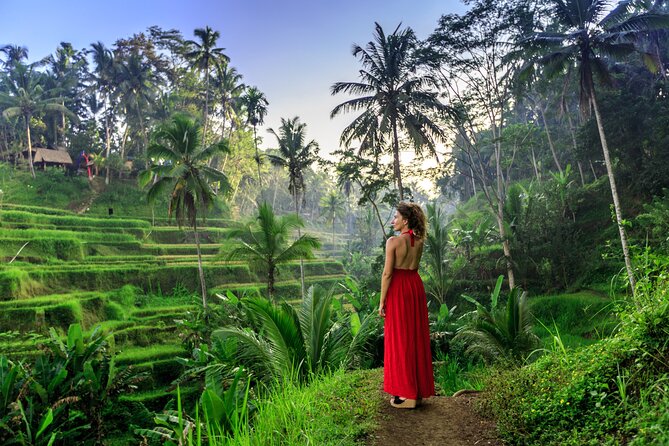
point(135, 355)
point(581, 318)
point(17, 283)
point(284, 288)
point(63, 221)
point(339, 409)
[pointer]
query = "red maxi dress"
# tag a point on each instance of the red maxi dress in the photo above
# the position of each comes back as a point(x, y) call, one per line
point(407, 360)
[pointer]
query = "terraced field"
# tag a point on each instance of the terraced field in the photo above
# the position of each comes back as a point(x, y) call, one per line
point(117, 275)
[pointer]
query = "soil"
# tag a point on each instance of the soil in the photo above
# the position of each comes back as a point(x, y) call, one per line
point(440, 420)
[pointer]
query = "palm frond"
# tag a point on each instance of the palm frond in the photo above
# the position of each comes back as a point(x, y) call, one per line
point(252, 350)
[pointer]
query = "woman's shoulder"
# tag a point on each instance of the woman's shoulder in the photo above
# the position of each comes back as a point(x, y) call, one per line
point(392, 240)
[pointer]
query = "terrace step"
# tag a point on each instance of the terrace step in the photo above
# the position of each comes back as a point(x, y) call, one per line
point(137, 355)
point(283, 288)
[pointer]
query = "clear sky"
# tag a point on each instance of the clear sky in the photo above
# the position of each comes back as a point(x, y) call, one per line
point(292, 50)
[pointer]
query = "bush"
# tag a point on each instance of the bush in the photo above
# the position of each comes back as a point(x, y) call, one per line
point(15, 282)
point(606, 393)
point(126, 295)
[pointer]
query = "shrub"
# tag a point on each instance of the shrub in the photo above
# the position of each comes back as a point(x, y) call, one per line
point(15, 282)
point(606, 393)
point(126, 295)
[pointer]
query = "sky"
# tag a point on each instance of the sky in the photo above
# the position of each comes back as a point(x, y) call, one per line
point(292, 50)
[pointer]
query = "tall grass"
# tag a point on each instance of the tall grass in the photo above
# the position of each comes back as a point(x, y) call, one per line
point(336, 409)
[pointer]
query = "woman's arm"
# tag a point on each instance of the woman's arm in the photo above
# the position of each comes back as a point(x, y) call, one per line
point(387, 274)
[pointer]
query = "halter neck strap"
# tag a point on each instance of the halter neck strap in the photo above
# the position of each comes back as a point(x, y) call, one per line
point(411, 234)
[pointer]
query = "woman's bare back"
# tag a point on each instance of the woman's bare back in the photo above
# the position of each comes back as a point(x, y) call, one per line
point(407, 256)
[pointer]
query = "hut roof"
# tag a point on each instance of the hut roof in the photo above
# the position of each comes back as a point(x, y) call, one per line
point(52, 156)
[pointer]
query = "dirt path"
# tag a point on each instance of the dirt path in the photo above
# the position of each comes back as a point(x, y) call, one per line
point(443, 421)
point(97, 186)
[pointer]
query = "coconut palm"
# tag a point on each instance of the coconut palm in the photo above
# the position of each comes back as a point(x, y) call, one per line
point(137, 84)
point(63, 79)
point(332, 206)
point(205, 55)
point(587, 35)
point(181, 167)
point(256, 109)
point(396, 98)
point(26, 97)
point(298, 343)
point(296, 156)
point(102, 80)
point(264, 243)
point(14, 54)
point(228, 83)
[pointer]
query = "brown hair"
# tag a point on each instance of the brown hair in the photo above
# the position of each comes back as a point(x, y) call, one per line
point(415, 216)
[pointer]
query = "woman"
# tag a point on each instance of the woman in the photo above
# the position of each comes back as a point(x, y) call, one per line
point(407, 370)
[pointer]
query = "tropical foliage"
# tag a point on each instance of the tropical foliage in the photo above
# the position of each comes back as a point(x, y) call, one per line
point(265, 243)
point(182, 166)
point(499, 334)
point(300, 344)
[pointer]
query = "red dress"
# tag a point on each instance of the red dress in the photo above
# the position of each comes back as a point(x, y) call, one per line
point(407, 360)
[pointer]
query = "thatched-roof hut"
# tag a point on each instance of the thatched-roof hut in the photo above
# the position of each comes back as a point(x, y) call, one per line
point(49, 157)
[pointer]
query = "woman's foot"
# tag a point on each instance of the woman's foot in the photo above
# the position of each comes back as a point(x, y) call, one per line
point(402, 403)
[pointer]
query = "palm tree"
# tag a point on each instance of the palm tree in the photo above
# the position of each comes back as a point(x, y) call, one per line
point(63, 79)
point(103, 82)
point(26, 97)
point(586, 35)
point(181, 166)
point(396, 98)
point(205, 55)
point(136, 86)
point(332, 205)
point(298, 343)
point(14, 54)
point(296, 156)
point(256, 109)
point(500, 334)
point(228, 83)
point(263, 242)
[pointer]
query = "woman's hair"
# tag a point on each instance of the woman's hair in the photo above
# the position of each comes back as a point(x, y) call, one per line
point(415, 216)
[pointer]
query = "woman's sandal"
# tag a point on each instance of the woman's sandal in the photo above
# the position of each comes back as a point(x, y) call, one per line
point(400, 403)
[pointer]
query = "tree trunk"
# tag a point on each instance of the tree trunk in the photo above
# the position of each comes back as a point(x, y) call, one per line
point(200, 271)
point(536, 167)
point(575, 145)
point(270, 282)
point(396, 160)
point(614, 191)
point(62, 118)
point(30, 146)
point(550, 140)
point(333, 233)
point(592, 168)
point(378, 217)
point(276, 188)
point(124, 141)
point(206, 106)
point(144, 138)
point(108, 144)
point(255, 140)
point(580, 172)
point(299, 234)
point(501, 193)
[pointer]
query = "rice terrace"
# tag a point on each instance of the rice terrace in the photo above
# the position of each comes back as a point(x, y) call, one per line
point(298, 223)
